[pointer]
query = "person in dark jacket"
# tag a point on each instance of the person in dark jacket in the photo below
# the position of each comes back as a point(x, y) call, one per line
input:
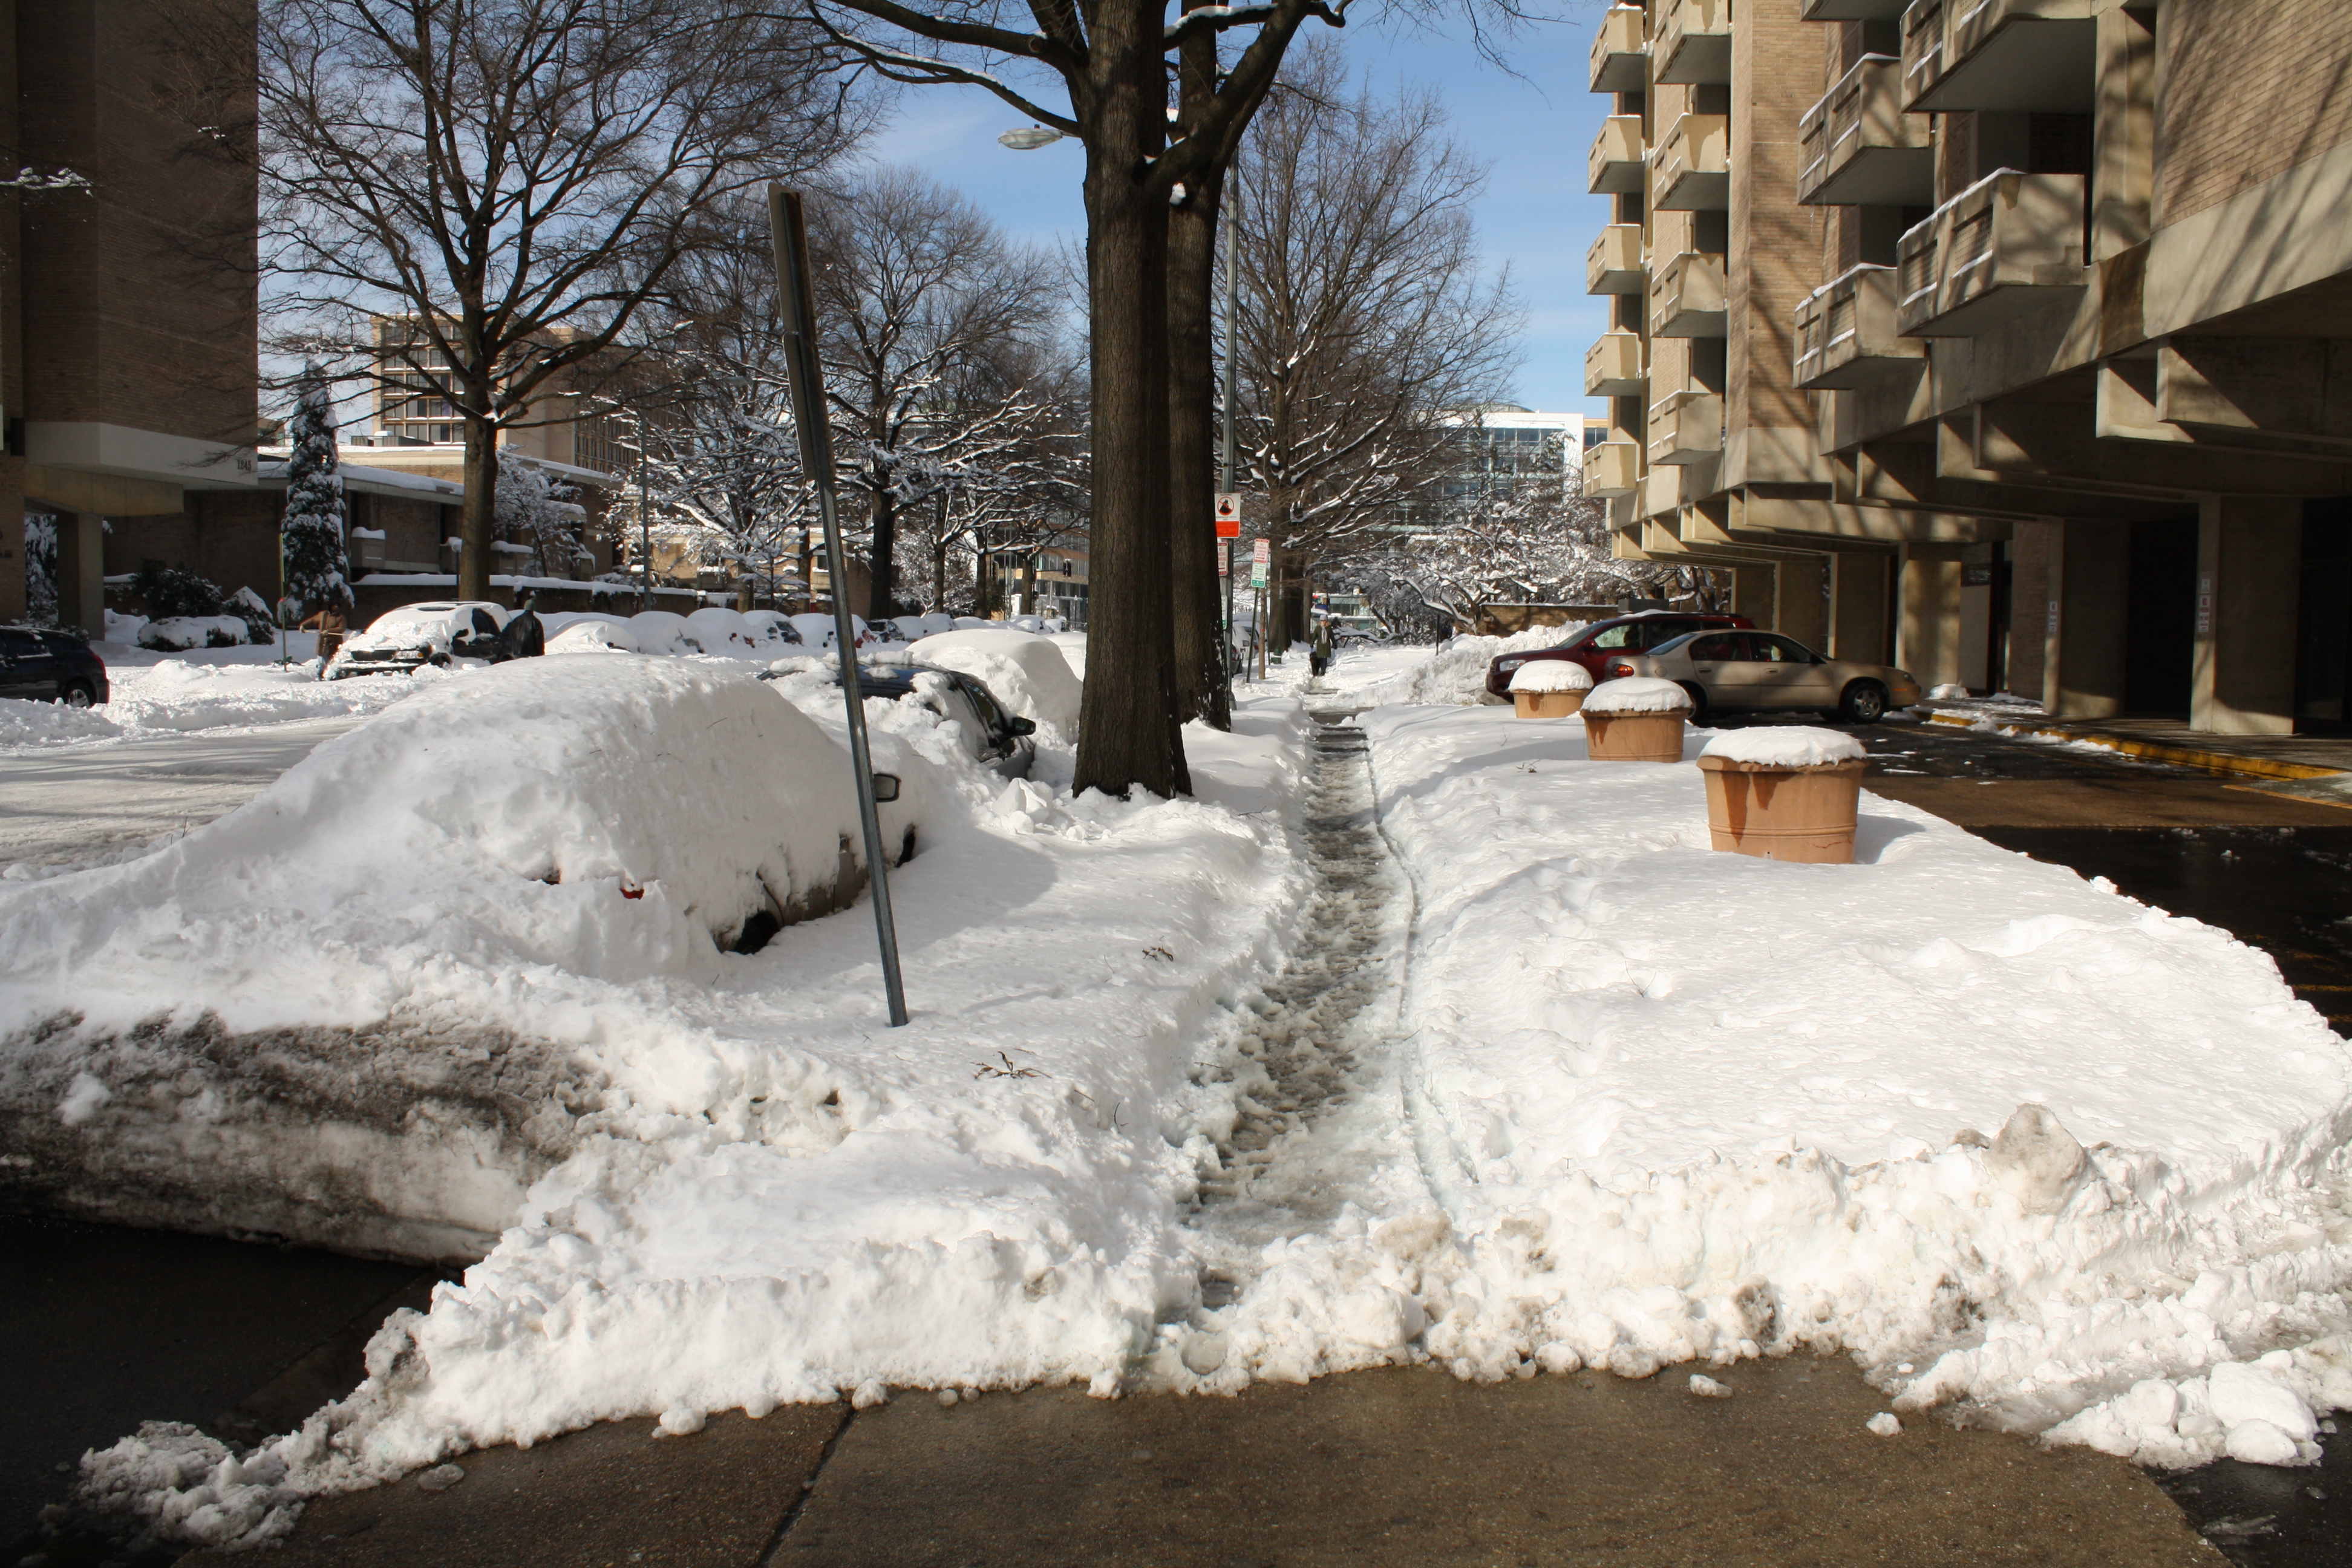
point(524, 635)
point(1319, 653)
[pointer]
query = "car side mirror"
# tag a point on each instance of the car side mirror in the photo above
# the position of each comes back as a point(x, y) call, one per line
point(1021, 726)
point(885, 787)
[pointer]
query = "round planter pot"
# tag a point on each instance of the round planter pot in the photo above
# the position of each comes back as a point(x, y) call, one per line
point(1784, 814)
point(1547, 704)
point(1634, 737)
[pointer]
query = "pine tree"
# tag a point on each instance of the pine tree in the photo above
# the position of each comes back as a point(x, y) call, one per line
point(317, 573)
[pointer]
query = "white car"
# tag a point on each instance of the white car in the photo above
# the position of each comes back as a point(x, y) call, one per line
point(1749, 669)
point(414, 636)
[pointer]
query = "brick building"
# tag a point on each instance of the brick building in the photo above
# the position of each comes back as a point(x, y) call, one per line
point(127, 309)
point(2006, 339)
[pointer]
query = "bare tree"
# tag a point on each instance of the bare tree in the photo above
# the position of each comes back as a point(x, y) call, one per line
point(517, 178)
point(921, 303)
point(1364, 317)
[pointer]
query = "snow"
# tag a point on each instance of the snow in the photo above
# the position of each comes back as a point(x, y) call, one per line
point(1637, 694)
point(1551, 675)
point(1784, 746)
point(211, 689)
point(179, 632)
point(1884, 1425)
point(1454, 671)
point(1027, 673)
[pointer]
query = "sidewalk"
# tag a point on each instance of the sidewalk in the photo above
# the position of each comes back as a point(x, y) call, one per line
point(2269, 757)
point(1400, 1467)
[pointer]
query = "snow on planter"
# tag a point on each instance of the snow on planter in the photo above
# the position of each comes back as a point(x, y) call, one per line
point(1636, 719)
point(1027, 673)
point(2012, 1140)
point(1549, 689)
point(1784, 793)
point(328, 1017)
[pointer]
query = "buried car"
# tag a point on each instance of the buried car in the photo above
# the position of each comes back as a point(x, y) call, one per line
point(414, 636)
point(991, 737)
point(1753, 669)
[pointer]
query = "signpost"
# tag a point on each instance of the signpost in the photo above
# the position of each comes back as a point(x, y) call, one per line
point(805, 376)
point(1261, 556)
point(1229, 514)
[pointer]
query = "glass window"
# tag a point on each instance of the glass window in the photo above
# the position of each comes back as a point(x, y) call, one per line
point(1720, 648)
point(1780, 650)
point(1616, 636)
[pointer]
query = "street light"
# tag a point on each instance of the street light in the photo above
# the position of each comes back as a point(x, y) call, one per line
point(1029, 138)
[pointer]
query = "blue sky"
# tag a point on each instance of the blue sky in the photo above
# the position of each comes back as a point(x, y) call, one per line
point(1534, 128)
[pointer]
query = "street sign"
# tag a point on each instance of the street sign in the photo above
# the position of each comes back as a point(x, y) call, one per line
point(1261, 551)
point(1224, 560)
point(1229, 514)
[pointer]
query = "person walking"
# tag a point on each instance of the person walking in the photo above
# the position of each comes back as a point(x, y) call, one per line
point(1320, 654)
point(525, 635)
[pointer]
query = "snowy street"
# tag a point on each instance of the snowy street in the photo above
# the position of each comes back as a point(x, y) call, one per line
point(1419, 1039)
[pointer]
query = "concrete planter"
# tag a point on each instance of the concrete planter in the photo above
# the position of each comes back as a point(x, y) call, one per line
point(1634, 737)
point(1547, 704)
point(1780, 813)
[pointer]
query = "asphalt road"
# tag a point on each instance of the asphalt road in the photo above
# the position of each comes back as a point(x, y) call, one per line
point(73, 804)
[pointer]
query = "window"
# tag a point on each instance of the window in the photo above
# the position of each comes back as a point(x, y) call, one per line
point(1615, 636)
point(1721, 647)
point(1780, 650)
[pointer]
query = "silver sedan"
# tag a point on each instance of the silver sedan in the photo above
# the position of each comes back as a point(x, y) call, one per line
point(1747, 669)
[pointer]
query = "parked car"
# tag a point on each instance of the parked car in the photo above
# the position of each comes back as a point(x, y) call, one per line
point(994, 738)
point(47, 666)
point(1596, 643)
point(414, 636)
point(1753, 669)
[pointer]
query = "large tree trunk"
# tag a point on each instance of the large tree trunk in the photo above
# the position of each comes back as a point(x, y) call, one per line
point(1201, 691)
point(1129, 731)
point(480, 525)
point(881, 593)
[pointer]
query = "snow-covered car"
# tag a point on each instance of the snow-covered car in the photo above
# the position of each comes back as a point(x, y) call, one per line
point(995, 739)
point(1753, 669)
point(815, 629)
point(45, 664)
point(414, 636)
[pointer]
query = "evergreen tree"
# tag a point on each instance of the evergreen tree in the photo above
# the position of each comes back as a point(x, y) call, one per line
point(317, 573)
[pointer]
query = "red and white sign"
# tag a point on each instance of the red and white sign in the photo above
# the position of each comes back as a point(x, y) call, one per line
point(1229, 514)
point(1261, 551)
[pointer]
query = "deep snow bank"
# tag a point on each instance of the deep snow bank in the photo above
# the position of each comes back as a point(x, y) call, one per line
point(1028, 674)
point(1683, 1104)
point(327, 1015)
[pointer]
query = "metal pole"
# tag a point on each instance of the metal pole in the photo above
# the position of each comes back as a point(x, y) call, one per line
point(1230, 218)
point(644, 524)
point(789, 231)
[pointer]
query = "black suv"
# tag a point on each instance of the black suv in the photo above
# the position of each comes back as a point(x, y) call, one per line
point(49, 665)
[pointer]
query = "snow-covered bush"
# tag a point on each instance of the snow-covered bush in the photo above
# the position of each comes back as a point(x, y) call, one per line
point(178, 634)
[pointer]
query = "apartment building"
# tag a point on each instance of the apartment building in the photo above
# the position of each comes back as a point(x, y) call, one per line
point(127, 310)
point(2011, 339)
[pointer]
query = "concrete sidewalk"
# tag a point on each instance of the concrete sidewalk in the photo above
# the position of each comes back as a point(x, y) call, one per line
point(1397, 1466)
point(2277, 757)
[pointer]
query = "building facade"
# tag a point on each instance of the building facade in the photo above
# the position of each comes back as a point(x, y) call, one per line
point(2006, 339)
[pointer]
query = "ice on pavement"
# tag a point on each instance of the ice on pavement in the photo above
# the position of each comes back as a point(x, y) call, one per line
point(1785, 746)
point(1447, 1046)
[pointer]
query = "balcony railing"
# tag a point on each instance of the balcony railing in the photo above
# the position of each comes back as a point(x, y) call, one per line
point(1686, 297)
point(1686, 427)
point(2008, 55)
point(1691, 171)
point(1613, 265)
point(1861, 149)
point(1614, 366)
point(1616, 165)
point(1621, 54)
point(2005, 245)
point(1694, 42)
point(1846, 333)
point(1613, 468)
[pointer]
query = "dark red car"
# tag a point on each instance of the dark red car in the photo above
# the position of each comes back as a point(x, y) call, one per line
point(1626, 634)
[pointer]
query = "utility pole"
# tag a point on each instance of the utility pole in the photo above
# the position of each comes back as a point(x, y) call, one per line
point(1231, 219)
point(644, 524)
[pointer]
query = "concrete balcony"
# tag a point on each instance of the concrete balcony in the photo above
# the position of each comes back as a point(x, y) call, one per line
point(1861, 149)
point(1691, 171)
point(1615, 365)
point(1850, 10)
point(1847, 335)
point(1621, 53)
point(1686, 427)
point(1613, 265)
point(2008, 55)
point(1612, 469)
point(1617, 163)
point(2005, 245)
point(1686, 297)
point(1694, 42)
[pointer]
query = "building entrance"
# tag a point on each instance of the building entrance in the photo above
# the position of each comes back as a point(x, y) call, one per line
point(2160, 636)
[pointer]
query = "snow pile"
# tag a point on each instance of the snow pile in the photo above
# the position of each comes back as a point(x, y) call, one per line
point(25, 722)
point(1455, 672)
point(1785, 746)
point(272, 1046)
point(179, 695)
point(1551, 675)
point(1638, 694)
point(1667, 1105)
point(1025, 673)
point(592, 634)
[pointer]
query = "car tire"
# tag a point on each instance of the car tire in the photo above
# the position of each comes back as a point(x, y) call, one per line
point(1864, 702)
point(1700, 707)
point(78, 694)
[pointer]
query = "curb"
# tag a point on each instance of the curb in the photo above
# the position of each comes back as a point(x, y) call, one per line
point(2154, 750)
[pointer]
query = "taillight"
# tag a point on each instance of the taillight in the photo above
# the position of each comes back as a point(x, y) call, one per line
point(1619, 670)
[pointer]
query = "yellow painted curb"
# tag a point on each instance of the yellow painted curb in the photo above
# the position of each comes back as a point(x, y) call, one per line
point(2156, 751)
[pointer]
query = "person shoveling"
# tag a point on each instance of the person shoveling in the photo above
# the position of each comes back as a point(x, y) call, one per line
point(525, 635)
